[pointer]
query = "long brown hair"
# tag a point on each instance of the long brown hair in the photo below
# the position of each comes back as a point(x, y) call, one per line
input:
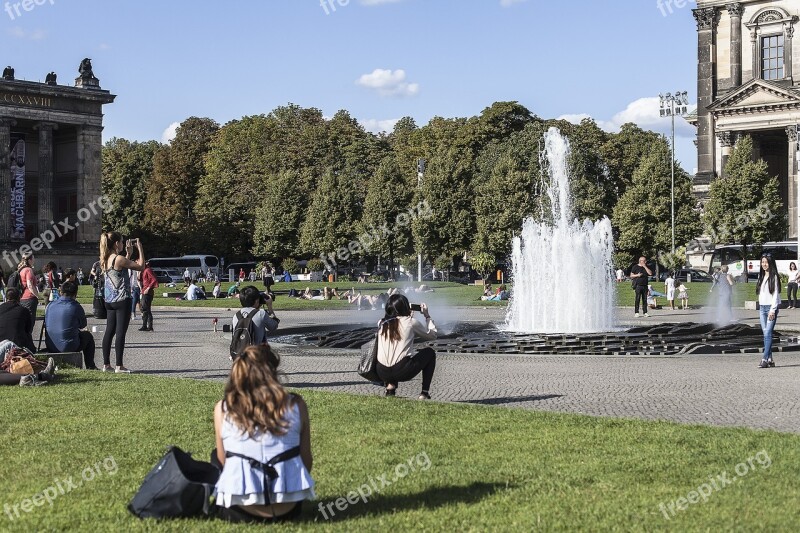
point(396, 306)
point(254, 398)
point(108, 243)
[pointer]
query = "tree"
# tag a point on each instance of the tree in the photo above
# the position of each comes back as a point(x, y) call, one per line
point(178, 169)
point(279, 218)
point(385, 215)
point(642, 216)
point(127, 168)
point(483, 264)
point(744, 206)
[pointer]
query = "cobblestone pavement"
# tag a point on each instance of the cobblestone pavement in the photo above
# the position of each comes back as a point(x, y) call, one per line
point(716, 390)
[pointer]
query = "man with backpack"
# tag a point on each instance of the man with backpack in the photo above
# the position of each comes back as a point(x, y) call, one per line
point(251, 322)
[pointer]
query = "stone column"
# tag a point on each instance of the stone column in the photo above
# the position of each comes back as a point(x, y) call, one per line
point(90, 169)
point(787, 51)
point(5, 177)
point(756, 53)
point(45, 174)
point(726, 141)
point(793, 212)
point(735, 11)
point(706, 25)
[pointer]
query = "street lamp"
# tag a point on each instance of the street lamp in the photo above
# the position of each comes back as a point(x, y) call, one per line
point(671, 105)
point(420, 175)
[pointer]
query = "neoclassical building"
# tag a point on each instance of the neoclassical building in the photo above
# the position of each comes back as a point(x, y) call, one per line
point(51, 167)
point(747, 56)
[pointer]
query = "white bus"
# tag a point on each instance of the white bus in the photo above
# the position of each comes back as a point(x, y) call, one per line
point(197, 264)
point(784, 252)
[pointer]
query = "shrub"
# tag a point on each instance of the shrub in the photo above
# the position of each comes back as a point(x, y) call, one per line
point(290, 265)
point(315, 265)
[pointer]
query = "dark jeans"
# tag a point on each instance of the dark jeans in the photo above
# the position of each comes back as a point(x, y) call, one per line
point(87, 347)
point(407, 369)
point(9, 379)
point(641, 294)
point(117, 321)
point(147, 313)
point(792, 294)
point(30, 304)
point(135, 299)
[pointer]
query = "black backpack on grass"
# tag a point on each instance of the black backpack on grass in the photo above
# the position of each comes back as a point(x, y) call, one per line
point(243, 334)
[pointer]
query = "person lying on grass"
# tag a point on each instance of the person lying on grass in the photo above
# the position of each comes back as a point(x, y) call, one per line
point(30, 379)
point(259, 419)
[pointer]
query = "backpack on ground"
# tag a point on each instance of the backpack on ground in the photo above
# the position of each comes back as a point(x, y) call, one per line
point(243, 333)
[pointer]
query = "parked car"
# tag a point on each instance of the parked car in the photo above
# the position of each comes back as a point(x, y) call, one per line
point(165, 276)
point(683, 274)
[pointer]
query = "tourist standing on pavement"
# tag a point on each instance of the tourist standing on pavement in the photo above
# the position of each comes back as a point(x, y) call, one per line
point(791, 290)
point(768, 289)
point(136, 291)
point(725, 289)
point(29, 286)
point(669, 288)
point(117, 290)
point(639, 275)
point(149, 286)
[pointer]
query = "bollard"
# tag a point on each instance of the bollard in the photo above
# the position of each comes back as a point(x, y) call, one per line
point(214, 321)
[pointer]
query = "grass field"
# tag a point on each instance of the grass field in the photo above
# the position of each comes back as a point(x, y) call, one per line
point(452, 294)
point(475, 468)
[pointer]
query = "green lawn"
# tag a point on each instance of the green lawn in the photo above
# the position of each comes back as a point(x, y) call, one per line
point(475, 468)
point(452, 293)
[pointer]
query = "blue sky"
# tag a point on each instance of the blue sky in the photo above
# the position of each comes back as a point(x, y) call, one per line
point(379, 59)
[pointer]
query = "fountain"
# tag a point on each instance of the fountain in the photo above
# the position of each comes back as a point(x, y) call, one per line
point(562, 268)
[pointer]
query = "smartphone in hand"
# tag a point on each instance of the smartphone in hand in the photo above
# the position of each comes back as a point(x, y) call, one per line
point(416, 307)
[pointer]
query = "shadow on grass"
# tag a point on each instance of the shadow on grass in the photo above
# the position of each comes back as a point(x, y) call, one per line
point(377, 504)
point(512, 399)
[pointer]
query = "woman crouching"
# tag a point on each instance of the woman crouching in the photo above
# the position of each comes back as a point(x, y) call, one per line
point(397, 360)
point(261, 429)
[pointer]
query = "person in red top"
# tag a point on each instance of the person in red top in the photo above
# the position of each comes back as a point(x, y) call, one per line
point(29, 286)
point(149, 285)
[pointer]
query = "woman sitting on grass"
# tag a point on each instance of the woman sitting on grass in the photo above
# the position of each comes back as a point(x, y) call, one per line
point(258, 422)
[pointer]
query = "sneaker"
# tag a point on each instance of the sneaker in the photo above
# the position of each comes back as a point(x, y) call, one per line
point(50, 369)
point(107, 368)
point(771, 363)
point(636, 315)
point(121, 370)
point(30, 381)
point(763, 364)
point(646, 315)
point(424, 396)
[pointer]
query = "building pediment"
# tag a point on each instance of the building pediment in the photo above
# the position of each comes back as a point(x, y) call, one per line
point(756, 96)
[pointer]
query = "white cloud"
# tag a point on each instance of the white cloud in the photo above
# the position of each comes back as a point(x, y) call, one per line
point(645, 113)
point(388, 82)
point(170, 132)
point(19, 33)
point(507, 3)
point(373, 125)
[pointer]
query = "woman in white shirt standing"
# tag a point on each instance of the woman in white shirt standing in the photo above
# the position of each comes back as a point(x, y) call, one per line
point(669, 288)
point(768, 289)
point(791, 291)
point(397, 359)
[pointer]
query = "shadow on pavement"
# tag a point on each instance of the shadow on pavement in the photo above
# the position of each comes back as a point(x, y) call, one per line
point(512, 399)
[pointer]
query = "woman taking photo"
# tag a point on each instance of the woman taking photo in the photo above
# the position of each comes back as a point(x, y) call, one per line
point(397, 360)
point(768, 289)
point(117, 292)
point(261, 422)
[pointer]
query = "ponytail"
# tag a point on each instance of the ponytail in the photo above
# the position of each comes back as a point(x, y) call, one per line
point(108, 242)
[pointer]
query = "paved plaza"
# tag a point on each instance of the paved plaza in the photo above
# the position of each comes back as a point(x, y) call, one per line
point(718, 390)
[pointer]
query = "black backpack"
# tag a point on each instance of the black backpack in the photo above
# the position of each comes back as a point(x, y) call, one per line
point(244, 333)
point(13, 281)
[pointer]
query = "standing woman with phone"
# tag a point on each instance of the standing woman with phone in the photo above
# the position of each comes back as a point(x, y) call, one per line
point(768, 290)
point(117, 290)
point(397, 359)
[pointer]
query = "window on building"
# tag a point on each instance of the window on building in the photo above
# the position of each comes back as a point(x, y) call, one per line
point(772, 57)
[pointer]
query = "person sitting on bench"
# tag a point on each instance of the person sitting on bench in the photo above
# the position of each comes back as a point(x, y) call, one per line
point(64, 319)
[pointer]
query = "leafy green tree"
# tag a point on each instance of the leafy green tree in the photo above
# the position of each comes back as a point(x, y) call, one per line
point(178, 169)
point(279, 217)
point(127, 168)
point(330, 223)
point(385, 218)
point(483, 263)
point(642, 216)
point(745, 207)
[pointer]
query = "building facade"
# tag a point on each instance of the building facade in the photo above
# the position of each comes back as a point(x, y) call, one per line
point(51, 168)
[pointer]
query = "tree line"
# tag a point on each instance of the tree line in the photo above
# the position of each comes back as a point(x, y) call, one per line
point(292, 183)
